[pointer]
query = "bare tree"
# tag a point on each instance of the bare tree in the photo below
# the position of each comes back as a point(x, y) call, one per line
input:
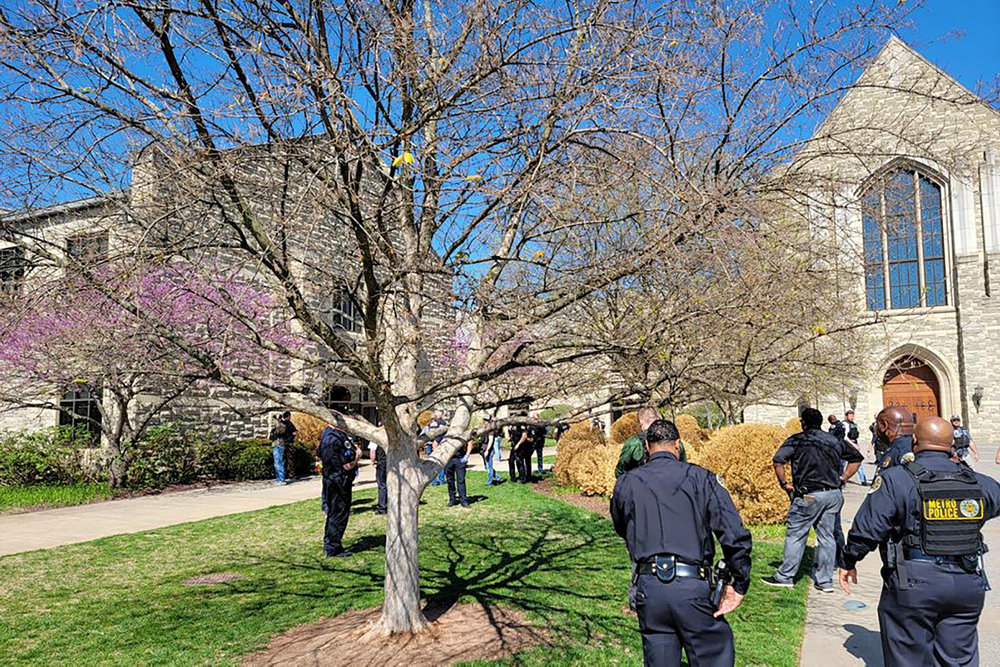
point(378, 166)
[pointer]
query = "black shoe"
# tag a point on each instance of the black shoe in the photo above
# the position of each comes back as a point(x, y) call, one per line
point(378, 511)
point(465, 505)
point(451, 503)
point(343, 553)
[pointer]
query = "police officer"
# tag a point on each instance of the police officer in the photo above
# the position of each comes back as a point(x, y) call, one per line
point(963, 440)
point(668, 512)
point(894, 430)
point(925, 516)
point(514, 434)
point(340, 461)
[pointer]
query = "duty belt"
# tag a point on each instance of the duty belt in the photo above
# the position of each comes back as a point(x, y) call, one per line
point(916, 554)
point(649, 566)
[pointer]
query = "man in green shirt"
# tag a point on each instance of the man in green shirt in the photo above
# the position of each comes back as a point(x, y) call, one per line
point(633, 451)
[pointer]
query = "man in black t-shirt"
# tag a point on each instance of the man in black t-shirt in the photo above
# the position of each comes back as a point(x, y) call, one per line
point(514, 434)
point(817, 460)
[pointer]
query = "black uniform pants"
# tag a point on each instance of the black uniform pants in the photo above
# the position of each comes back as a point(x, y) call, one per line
point(338, 509)
point(523, 462)
point(381, 474)
point(933, 622)
point(512, 463)
point(678, 615)
point(454, 471)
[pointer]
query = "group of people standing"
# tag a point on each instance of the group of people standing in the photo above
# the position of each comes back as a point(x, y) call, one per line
point(924, 514)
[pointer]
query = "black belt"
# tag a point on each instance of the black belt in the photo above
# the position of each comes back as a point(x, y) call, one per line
point(680, 569)
point(916, 554)
point(811, 491)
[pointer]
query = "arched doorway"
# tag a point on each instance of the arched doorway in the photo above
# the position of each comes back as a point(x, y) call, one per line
point(912, 384)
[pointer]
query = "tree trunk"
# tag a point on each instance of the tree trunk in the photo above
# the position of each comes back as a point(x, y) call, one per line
point(402, 611)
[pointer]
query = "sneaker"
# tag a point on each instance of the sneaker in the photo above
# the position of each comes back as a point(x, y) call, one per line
point(771, 581)
point(824, 588)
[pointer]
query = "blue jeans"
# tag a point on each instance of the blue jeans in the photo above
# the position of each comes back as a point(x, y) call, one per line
point(493, 454)
point(278, 452)
point(818, 510)
point(440, 478)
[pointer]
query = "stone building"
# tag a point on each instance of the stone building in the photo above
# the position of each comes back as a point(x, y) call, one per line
point(169, 206)
point(907, 200)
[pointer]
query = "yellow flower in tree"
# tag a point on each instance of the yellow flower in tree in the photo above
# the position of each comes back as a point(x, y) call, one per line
point(539, 255)
point(819, 329)
point(405, 158)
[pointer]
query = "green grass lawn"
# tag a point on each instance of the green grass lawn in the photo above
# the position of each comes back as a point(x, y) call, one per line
point(120, 599)
point(19, 498)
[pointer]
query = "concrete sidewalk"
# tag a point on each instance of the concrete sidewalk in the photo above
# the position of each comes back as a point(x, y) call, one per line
point(838, 633)
point(68, 525)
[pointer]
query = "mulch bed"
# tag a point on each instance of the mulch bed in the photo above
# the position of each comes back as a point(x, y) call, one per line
point(457, 633)
point(598, 504)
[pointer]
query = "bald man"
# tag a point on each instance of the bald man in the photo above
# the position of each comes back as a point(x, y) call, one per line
point(925, 517)
point(894, 429)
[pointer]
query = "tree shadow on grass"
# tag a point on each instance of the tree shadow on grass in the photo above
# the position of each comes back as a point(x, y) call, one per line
point(566, 569)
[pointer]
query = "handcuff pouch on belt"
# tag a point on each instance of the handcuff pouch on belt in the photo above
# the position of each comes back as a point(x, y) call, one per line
point(665, 568)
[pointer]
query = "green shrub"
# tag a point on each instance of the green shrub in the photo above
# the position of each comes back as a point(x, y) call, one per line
point(50, 456)
point(254, 460)
point(167, 455)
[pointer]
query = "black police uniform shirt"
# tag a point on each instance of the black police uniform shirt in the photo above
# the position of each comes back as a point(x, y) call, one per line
point(669, 507)
point(335, 450)
point(817, 459)
point(892, 508)
point(893, 456)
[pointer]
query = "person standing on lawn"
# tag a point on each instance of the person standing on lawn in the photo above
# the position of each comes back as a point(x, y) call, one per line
point(538, 444)
point(454, 471)
point(925, 516)
point(633, 452)
point(514, 433)
point(340, 461)
point(817, 460)
point(490, 451)
point(282, 435)
point(668, 512)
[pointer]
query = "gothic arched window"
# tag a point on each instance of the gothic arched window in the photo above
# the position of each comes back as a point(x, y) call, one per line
point(904, 242)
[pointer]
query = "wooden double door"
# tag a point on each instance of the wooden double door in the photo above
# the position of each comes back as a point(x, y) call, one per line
point(911, 384)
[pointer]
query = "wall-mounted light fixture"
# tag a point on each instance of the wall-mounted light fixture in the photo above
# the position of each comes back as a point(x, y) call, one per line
point(977, 397)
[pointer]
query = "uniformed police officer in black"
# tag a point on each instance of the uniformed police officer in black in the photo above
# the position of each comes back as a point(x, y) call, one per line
point(925, 517)
point(668, 512)
point(894, 429)
point(339, 455)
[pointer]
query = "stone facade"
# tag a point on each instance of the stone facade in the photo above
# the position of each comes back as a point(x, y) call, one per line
point(169, 204)
point(906, 113)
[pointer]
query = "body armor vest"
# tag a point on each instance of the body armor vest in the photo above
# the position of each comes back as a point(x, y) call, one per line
point(951, 511)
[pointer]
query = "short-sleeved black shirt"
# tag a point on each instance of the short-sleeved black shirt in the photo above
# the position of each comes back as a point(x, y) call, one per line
point(817, 459)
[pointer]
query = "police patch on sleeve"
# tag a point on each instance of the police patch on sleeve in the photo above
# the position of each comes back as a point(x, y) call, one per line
point(907, 457)
point(886, 462)
point(721, 481)
point(876, 484)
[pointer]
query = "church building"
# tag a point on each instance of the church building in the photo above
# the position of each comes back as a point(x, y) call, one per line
point(909, 206)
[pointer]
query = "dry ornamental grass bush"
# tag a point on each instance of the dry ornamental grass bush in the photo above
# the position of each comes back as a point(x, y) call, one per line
point(742, 455)
point(625, 427)
point(309, 429)
point(793, 426)
point(580, 437)
point(691, 433)
point(593, 470)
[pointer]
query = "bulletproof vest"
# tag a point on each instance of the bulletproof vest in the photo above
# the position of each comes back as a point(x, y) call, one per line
point(951, 510)
point(961, 438)
point(852, 431)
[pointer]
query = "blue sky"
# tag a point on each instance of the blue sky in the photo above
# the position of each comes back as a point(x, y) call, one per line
point(960, 36)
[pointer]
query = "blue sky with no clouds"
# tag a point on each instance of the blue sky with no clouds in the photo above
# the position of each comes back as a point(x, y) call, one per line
point(960, 36)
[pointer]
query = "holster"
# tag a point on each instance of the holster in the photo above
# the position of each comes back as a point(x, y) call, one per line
point(897, 559)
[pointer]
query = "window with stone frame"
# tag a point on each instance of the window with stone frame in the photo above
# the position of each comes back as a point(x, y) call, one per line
point(80, 406)
point(88, 249)
point(344, 312)
point(12, 269)
point(903, 227)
